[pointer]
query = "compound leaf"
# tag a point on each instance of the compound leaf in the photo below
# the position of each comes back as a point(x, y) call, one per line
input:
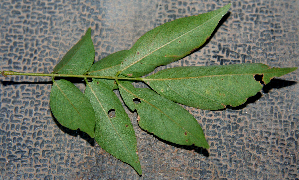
point(212, 87)
point(114, 131)
point(170, 42)
point(163, 117)
point(79, 58)
point(71, 108)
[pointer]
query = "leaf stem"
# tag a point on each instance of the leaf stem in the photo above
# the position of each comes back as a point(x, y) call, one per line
point(12, 73)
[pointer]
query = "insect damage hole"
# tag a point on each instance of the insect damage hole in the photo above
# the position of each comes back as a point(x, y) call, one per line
point(136, 101)
point(111, 113)
point(259, 78)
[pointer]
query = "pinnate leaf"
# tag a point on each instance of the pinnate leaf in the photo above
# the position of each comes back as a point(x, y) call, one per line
point(163, 117)
point(170, 42)
point(114, 131)
point(79, 58)
point(212, 87)
point(71, 108)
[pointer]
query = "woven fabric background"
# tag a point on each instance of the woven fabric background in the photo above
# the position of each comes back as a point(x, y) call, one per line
point(258, 140)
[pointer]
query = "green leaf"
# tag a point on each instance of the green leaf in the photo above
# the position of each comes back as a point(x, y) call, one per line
point(212, 87)
point(163, 117)
point(71, 108)
point(114, 131)
point(108, 66)
point(170, 42)
point(79, 58)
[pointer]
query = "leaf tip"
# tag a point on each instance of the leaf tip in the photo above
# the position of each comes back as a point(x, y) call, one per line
point(91, 134)
point(206, 146)
point(227, 6)
point(225, 9)
point(88, 32)
point(293, 69)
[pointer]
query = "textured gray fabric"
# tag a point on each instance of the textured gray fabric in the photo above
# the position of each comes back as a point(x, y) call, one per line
point(256, 141)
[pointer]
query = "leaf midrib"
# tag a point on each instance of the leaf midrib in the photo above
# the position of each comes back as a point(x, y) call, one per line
point(170, 42)
point(96, 71)
point(102, 107)
point(71, 103)
point(75, 53)
point(158, 110)
point(197, 77)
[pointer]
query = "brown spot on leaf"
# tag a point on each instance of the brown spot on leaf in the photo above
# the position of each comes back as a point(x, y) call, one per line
point(97, 82)
point(127, 125)
point(185, 133)
point(129, 75)
point(179, 41)
point(137, 53)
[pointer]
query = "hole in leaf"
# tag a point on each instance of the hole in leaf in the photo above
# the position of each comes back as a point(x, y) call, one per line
point(111, 113)
point(136, 101)
point(259, 78)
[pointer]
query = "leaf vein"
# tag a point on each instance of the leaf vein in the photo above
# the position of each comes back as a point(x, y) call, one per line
point(70, 102)
point(107, 115)
point(170, 42)
point(159, 110)
point(197, 77)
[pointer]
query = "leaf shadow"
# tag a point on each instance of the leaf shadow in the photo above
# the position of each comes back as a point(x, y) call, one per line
point(221, 22)
point(196, 149)
point(75, 133)
point(273, 84)
point(12, 82)
point(8, 83)
point(277, 84)
point(71, 79)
